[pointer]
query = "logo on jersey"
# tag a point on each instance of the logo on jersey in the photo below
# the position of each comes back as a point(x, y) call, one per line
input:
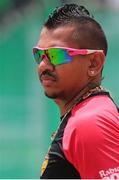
point(111, 173)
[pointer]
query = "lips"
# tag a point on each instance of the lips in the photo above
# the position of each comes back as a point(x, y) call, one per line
point(47, 80)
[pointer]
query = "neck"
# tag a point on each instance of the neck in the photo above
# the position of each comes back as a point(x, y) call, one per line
point(67, 103)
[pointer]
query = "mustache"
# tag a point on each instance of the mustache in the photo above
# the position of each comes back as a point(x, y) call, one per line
point(48, 74)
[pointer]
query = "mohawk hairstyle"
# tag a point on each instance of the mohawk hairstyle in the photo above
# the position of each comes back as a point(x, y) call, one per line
point(87, 30)
point(64, 14)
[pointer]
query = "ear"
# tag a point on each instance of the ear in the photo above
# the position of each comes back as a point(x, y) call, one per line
point(96, 64)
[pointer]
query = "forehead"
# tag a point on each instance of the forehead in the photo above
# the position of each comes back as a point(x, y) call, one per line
point(61, 36)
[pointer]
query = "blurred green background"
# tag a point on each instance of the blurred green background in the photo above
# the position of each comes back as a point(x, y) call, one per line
point(27, 117)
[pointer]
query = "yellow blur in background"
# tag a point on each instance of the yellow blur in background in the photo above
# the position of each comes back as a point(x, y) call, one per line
point(27, 117)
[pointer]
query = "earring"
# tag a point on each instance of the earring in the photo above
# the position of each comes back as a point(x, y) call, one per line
point(92, 72)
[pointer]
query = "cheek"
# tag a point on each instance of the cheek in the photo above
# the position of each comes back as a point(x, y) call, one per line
point(73, 75)
point(69, 75)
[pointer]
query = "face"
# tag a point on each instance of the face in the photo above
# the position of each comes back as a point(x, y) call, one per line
point(62, 81)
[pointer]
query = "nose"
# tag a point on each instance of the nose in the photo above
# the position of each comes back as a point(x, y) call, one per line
point(45, 65)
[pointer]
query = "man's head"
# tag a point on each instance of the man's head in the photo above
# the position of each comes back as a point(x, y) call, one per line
point(87, 32)
point(71, 26)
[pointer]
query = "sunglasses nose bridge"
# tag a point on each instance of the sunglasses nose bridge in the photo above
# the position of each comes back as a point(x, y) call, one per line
point(45, 59)
point(45, 64)
point(44, 56)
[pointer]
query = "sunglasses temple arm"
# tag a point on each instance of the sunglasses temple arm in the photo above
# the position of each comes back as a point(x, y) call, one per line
point(81, 52)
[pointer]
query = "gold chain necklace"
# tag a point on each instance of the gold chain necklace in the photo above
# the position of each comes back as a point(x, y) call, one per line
point(83, 97)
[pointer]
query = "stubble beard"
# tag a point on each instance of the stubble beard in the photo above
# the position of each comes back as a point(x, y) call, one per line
point(51, 96)
point(54, 95)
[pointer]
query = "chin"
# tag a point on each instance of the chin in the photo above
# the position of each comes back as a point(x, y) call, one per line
point(51, 95)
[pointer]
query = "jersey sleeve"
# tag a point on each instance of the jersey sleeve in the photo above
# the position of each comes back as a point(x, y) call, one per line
point(91, 142)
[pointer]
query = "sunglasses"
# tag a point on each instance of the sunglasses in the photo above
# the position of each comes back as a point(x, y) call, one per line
point(59, 55)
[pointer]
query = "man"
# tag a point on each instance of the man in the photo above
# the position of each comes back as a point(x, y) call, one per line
point(70, 55)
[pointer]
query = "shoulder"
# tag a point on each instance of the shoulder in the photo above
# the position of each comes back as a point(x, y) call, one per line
point(93, 111)
point(93, 116)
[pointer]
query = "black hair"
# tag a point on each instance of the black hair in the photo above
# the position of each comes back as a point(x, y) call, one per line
point(88, 32)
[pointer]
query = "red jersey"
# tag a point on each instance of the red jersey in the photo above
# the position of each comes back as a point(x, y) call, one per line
point(91, 138)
